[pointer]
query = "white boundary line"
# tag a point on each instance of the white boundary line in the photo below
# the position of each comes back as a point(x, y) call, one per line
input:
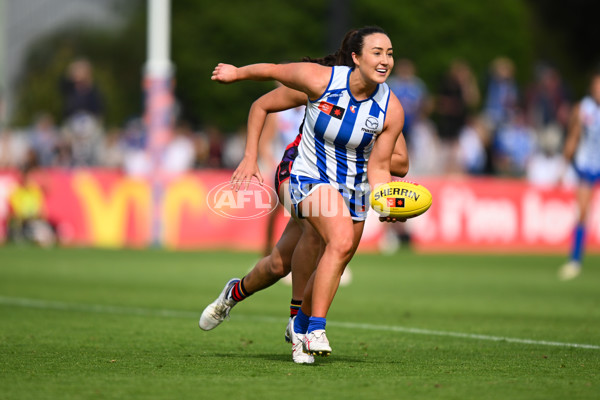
point(103, 309)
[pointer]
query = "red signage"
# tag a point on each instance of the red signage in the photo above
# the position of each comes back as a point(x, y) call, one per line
point(103, 208)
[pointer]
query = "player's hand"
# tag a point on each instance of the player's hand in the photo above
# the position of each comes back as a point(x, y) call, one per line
point(224, 73)
point(392, 219)
point(243, 175)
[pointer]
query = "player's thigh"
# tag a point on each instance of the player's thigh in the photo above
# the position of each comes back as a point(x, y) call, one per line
point(327, 212)
point(284, 196)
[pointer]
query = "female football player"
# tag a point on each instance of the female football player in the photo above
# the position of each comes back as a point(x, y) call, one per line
point(351, 126)
point(582, 148)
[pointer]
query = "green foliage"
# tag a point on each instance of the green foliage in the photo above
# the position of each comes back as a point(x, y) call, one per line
point(117, 58)
point(432, 33)
point(237, 32)
point(435, 32)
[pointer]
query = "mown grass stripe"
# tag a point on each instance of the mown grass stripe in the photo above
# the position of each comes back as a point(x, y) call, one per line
point(105, 309)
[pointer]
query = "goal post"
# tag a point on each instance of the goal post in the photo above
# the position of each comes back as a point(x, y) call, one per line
point(159, 104)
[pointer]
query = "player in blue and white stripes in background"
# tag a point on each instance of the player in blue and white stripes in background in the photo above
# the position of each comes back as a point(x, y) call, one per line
point(351, 128)
point(582, 148)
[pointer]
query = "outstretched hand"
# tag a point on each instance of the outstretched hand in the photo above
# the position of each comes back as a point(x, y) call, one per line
point(224, 73)
point(244, 173)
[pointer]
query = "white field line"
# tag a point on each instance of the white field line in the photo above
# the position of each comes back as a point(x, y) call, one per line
point(104, 309)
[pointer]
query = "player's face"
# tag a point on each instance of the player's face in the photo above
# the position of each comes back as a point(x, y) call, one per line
point(377, 59)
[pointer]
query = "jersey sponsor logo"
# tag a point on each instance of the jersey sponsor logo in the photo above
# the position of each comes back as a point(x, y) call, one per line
point(353, 109)
point(372, 123)
point(335, 94)
point(331, 109)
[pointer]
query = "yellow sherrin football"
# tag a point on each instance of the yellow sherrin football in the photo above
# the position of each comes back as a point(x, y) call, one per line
point(401, 199)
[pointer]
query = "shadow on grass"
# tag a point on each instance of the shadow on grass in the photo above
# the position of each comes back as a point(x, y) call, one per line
point(287, 358)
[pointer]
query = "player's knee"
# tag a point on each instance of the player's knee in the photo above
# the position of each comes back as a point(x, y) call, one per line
point(278, 266)
point(341, 247)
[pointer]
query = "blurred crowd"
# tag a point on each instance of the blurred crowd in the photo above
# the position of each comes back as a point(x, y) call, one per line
point(500, 129)
point(452, 127)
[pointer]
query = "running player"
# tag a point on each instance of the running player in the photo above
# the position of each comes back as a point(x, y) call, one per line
point(294, 248)
point(351, 127)
point(582, 148)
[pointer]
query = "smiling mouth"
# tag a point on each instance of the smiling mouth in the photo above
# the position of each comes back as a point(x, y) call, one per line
point(381, 70)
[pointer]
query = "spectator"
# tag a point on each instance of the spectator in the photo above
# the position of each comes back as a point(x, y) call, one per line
point(84, 135)
point(43, 139)
point(14, 148)
point(547, 165)
point(180, 152)
point(233, 149)
point(112, 152)
point(548, 100)
point(502, 93)
point(424, 149)
point(514, 146)
point(215, 147)
point(201, 145)
point(474, 146)
point(457, 94)
point(79, 92)
point(63, 155)
point(136, 160)
point(410, 90)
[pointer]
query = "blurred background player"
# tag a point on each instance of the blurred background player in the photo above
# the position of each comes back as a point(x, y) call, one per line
point(280, 130)
point(582, 148)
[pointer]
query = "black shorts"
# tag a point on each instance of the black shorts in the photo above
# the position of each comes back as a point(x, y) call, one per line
point(285, 166)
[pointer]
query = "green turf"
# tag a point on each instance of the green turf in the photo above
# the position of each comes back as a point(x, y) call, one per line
point(98, 324)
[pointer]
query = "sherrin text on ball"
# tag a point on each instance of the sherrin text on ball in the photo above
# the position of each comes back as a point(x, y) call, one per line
point(401, 199)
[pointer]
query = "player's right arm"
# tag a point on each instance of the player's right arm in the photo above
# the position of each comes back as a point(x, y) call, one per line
point(309, 78)
point(280, 99)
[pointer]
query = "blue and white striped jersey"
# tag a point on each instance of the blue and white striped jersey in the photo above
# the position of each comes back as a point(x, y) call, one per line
point(587, 156)
point(339, 132)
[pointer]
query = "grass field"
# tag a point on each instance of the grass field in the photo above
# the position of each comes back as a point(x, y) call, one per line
point(98, 324)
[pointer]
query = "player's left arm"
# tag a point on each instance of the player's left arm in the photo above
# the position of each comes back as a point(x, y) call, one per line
point(276, 100)
point(379, 165)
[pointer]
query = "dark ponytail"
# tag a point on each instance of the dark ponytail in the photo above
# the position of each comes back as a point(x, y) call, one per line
point(352, 43)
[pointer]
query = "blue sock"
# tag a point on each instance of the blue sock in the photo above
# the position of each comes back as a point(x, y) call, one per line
point(301, 322)
point(316, 323)
point(578, 240)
